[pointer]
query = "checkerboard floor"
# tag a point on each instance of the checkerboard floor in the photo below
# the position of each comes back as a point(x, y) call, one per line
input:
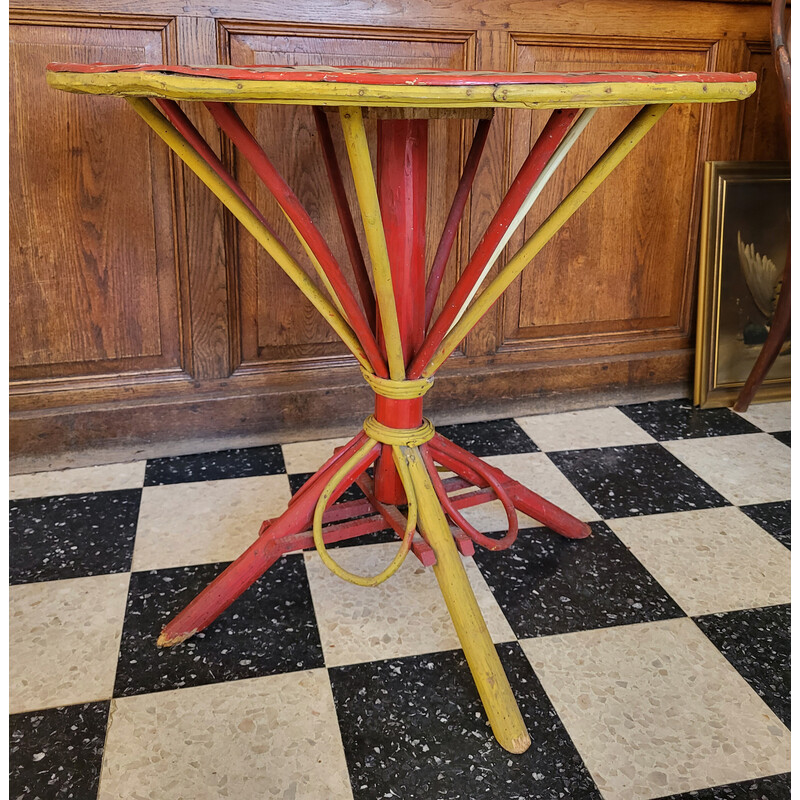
point(650, 660)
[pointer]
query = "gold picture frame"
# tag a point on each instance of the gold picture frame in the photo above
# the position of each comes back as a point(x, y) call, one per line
point(744, 241)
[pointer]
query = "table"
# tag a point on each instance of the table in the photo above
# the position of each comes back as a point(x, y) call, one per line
point(388, 324)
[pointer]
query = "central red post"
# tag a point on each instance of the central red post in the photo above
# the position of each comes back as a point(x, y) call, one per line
point(402, 192)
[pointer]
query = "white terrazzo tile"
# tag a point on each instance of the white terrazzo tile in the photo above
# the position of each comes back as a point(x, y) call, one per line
point(406, 615)
point(81, 480)
point(274, 737)
point(200, 523)
point(538, 473)
point(655, 709)
point(770, 416)
point(745, 469)
point(64, 640)
point(710, 561)
point(310, 456)
point(579, 430)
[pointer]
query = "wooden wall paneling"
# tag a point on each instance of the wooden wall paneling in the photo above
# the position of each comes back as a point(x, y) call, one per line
point(613, 279)
point(670, 18)
point(763, 136)
point(212, 299)
point(279, 328)
point(730, 54)
point(196, 339)
point(491, 183)
point(95, 270)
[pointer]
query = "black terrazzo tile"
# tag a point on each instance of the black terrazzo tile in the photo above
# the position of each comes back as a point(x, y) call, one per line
point(414, 728)
point(497, 437)
point(72, 536)
point(775, 787)
point(57, 753)
point(756, 642)
point(271, 628)
point(635, 480)
point(667, 420)
point(775, 518)
point(784, 436)
point(353, 493)
point(298, 479)
point(547, 584)
point(241, 463)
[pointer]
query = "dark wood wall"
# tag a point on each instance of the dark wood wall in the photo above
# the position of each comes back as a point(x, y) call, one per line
point(142, 315)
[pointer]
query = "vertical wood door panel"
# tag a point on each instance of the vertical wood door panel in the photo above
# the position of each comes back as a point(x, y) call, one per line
point(763, 130)
point(93, 279)
point(619, 265)
point(277, 323)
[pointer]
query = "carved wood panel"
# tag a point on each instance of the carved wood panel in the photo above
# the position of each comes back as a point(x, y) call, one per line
point(277, 324)
point(618, 267)
point(94, 271)
point(763, 130)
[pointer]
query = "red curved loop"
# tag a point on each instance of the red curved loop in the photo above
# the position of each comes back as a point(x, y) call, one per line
point(428, 450)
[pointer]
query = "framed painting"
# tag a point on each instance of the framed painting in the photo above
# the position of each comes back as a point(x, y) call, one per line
point(744, 243)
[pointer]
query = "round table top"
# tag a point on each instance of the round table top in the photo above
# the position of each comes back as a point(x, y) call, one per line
point(383, 86)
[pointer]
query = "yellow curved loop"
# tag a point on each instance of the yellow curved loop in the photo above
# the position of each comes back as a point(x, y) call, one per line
point(397, 437)
point(397, 390)
point(408, 535)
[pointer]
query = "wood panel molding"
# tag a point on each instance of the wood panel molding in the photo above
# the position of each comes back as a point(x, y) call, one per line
point(278, 330)
point(96, 274)
point(608, 17)
point(565, 300)
point(182, 330)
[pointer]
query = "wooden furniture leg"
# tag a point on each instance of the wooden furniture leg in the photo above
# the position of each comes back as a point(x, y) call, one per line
point(778, 334)
point(484, 663)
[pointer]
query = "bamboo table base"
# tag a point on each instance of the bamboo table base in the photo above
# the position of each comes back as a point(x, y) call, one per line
point(391, 331)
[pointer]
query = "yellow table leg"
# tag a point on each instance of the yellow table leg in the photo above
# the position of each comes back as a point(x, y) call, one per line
point(484, 663)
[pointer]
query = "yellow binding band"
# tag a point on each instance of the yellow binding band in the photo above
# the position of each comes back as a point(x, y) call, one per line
point(397, 390)
point(399, 437)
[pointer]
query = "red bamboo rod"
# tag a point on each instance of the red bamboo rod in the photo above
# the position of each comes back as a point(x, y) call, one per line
point(345, 215)
point(232, 125)
point(328, 469)
point(463, 463)
point(261, 555)
point(503, 543)
point(402, 181)
point(454, 218)
point(544, 147)
point(175, 114)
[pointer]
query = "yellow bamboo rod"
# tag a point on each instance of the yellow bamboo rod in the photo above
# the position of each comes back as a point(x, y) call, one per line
point(318, 269)
point(250, 221)
point(604, 166)
point(513, 95)
point(484, 663)
point(355, 138)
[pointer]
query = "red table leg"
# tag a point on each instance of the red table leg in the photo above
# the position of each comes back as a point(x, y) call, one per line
point(402, 192)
